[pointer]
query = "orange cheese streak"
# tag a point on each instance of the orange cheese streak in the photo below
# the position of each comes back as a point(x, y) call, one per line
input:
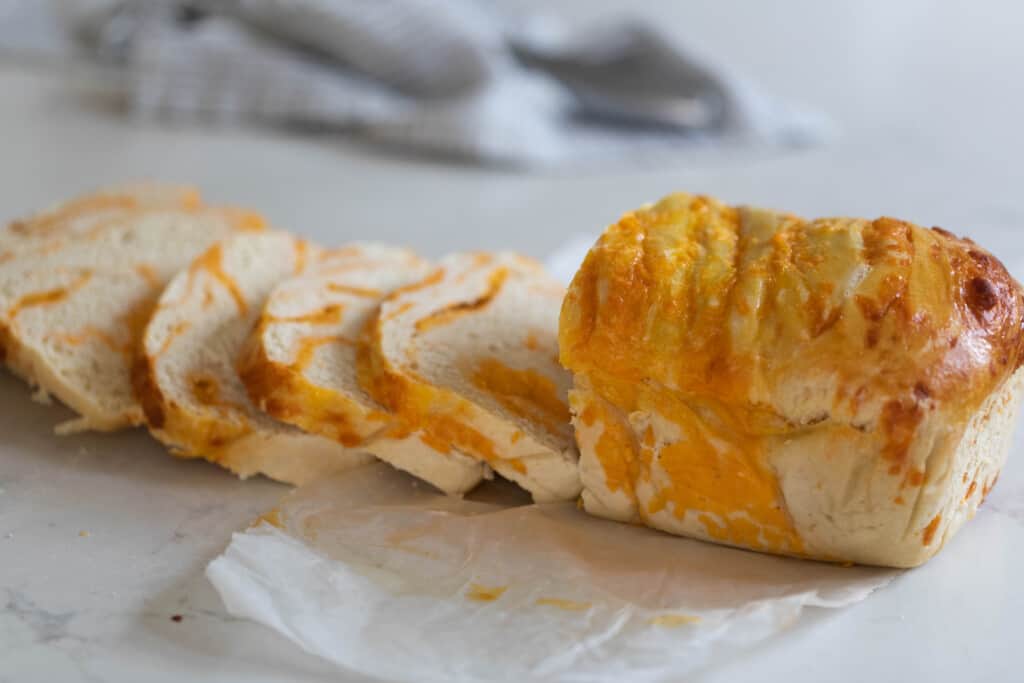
point(212, 263)
point(445, 434)
point(429, 281)
point(149, 274)
point(987, 488)
point(206, 391)
point(180, 328)
point(328, 315)
point(366, 292)
point(48, 297)
point(207, 297)
point(54, 222)
point(87, 333)
point(244, 220)
point(617, 448)
point(452, 313)
point(47, 224)
point(309, 345)
point(526, 393)
point(929, 531)
point(301, 255)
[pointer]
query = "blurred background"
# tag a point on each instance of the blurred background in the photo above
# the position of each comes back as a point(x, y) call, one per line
point(460, 124)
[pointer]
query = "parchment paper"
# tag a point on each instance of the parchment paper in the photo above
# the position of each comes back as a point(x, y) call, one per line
point(377, 573)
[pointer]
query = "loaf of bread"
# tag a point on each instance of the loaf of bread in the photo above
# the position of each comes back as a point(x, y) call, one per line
point(300, 362)
point(838, 389)
point(78, 281)
point(185, 375)
point(466, 359)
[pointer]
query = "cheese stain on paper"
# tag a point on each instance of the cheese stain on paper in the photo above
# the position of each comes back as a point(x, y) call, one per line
point(482, 593)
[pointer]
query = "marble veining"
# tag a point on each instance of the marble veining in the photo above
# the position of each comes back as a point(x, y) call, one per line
point(46, 625)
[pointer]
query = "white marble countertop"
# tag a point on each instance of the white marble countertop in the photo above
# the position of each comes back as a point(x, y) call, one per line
point(103, 539)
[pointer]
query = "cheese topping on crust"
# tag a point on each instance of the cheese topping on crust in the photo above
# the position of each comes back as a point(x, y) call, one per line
point(703, 337)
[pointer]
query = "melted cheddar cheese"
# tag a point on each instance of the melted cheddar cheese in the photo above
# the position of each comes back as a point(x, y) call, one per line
point(702, 334)
point(524, 392)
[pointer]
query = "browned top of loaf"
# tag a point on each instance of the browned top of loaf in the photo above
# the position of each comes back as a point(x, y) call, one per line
point(767, 313)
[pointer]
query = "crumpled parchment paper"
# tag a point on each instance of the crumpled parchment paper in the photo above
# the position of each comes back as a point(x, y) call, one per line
point(384, 577)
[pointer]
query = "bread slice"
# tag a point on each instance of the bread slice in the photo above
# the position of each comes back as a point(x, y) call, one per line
point(78, 281)
point(300, 362)
point(185, 375)
point(468, 357)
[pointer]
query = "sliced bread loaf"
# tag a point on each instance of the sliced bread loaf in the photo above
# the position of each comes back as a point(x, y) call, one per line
point(468, 357)
point(77, 282)
point(300, 362)
point(185, 374)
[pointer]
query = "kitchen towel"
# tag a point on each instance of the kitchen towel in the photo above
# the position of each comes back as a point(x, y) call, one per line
point(454, 78)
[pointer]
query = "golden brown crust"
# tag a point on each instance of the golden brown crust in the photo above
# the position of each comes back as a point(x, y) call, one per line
point(890, 308)
point(721, 333)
